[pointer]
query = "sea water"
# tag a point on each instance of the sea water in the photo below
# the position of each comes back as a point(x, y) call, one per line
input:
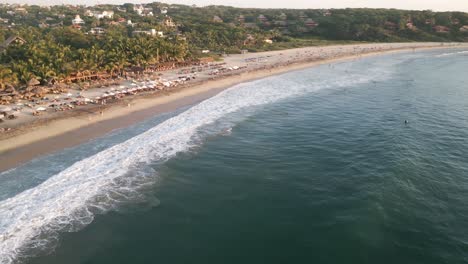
point(316, 165)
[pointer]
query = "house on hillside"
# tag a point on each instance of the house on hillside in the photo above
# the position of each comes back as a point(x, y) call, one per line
point(441, 29)
point(89, 13)
point(411, 26)
point(327, 13)
point(143, 11)
point(104, 14)
point(241, 19)
point(310, 23)
point(430, 21)
point(262, 18)
point(12, 41)
point(148, 11)
point(464, 29)
point(217, 19)
point(163, 10)
point(152, 32)
point(138, 9)
point(21, 11)
point(168, 22)
point(97, 31)
point(78, 20)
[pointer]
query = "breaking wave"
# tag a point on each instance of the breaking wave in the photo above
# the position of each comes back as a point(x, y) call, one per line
point(31, 221)
point(452, 53)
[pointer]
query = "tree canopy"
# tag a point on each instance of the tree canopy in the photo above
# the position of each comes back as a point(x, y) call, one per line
point(144, 35)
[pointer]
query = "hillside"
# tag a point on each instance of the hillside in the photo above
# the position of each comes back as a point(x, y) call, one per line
point(44, 44)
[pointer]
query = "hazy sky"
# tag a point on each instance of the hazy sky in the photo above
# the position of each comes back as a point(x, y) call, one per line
point(437, 5)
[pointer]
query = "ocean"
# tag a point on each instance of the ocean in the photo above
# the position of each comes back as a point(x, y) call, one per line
point(316, 165)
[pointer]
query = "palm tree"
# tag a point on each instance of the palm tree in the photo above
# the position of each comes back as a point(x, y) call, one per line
point(7, 77)
point(44, 72)
point(23, 72)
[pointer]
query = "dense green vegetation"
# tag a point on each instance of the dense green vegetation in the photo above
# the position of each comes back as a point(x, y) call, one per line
point(55, 49)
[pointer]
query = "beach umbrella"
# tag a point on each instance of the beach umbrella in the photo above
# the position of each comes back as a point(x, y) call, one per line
point(41, 109)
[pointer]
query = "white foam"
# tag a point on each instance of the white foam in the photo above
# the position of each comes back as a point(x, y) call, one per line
point(69, 200)
point(451, 53)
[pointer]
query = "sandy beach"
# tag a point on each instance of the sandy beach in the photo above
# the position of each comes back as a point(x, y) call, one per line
point(33, 136)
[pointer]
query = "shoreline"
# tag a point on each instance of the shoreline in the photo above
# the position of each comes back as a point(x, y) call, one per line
point(83, 125)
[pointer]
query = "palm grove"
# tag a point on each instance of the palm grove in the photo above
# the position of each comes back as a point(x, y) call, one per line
point(53, 47)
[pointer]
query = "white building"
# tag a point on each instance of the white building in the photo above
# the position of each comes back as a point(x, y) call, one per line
point(143, 11)
point(78, 20)
point(152, 32)
point(89, 13)
point(104, 14)
point(157, 33)
point(97, 31)
point(138, 9)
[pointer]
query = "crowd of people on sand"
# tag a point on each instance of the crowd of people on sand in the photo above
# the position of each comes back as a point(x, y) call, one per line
point(108, 91)
point(222, 68)
point(72, 100)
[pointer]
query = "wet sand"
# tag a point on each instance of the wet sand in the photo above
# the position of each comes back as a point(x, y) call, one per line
point(72, 131)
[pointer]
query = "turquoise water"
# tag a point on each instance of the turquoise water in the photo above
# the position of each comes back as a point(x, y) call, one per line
point(311, 166)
